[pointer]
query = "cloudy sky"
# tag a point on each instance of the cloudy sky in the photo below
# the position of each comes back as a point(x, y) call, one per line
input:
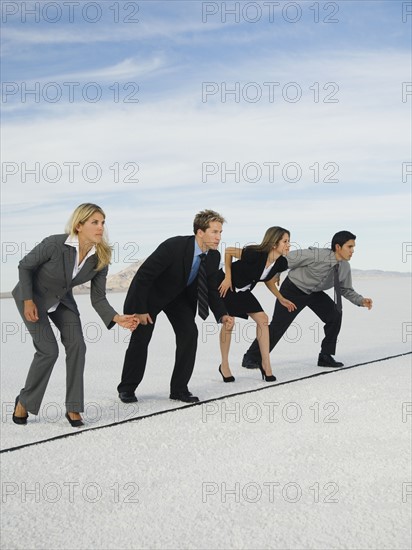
point(272, 113)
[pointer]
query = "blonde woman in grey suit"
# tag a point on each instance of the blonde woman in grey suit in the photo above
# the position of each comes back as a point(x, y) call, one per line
point(47, 276)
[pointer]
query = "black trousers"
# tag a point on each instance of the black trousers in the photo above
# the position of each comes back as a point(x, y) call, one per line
point(181, 315)
point(319, 302)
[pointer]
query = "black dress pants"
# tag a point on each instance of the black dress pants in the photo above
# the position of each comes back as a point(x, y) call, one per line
point(181, 315)
point(319, 302)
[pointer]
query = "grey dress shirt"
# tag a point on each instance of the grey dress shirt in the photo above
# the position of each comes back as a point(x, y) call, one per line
point(311, 270)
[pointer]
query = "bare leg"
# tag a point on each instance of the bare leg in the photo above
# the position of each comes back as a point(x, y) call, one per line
point(262, 336)
point(224, 339)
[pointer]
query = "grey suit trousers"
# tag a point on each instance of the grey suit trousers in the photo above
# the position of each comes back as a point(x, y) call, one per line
point(47, 351)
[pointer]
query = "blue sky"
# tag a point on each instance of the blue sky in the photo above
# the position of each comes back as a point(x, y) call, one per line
point(133, 115)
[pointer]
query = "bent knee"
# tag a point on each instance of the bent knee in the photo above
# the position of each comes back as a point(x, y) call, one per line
point(186, 330)
point(77, 345)
point(261, 318)
point(49, 353)
point(334, 317)
point(193, 331)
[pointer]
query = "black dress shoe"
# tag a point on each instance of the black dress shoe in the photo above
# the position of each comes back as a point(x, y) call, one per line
point(74, 423)
point(267, 377)
point(185, 396)
point(19, 419)
point(226, 378)
point(127, 397)
point(326, 360)
point(248, 363)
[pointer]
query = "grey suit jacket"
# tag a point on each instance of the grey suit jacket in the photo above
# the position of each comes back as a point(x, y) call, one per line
point(45, 276)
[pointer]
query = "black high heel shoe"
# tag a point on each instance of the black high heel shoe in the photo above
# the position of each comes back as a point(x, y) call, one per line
point(19, 419)
point(267, 377)
point(226, 378)
point(74, 423)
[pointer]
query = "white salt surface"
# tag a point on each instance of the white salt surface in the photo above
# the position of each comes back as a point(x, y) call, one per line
point(320, 463)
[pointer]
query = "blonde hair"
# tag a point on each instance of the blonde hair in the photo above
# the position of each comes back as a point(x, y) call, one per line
point(204, 218)
point(81, 214)
point(272, 238)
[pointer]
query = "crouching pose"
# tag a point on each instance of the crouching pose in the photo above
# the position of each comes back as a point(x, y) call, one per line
point(312, 271)
point(263, 262)
point(177, 278)
point(47, 276)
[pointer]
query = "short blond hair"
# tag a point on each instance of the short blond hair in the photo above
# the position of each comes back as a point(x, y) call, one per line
point(204, 218)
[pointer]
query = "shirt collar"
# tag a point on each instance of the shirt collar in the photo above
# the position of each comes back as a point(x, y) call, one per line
point(333, 259)
point(73, 240)
point(198, 250)
point(326, 253)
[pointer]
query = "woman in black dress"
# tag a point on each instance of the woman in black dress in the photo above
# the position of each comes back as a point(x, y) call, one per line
point(262, 262)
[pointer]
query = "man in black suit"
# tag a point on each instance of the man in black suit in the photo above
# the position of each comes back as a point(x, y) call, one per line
point(170, 280)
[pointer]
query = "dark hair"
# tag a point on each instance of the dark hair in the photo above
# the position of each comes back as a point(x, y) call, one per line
point(204, 218)
point(272, 238)
point(341, 237)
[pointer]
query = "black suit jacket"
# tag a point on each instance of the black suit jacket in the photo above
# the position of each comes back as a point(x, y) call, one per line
point(164, 275)
point(249, 268)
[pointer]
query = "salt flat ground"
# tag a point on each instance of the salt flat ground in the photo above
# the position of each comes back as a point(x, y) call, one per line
point(319, 463)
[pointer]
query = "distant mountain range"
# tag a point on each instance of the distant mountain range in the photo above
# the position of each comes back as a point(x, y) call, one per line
point(120, 282)
point(373, 273)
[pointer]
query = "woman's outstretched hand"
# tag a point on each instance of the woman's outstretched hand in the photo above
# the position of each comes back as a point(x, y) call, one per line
point(290, 306)
point(127, 321)
point(225, 285)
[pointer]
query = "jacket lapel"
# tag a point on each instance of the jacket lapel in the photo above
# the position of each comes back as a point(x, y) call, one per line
point(69, 257)
point(188, 258)
point(84, 273)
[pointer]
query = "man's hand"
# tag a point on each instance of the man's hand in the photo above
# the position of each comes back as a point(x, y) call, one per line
point(144, 318)
point(127, 321)
point(30, 311)
point(367, 302)
point(228, 321)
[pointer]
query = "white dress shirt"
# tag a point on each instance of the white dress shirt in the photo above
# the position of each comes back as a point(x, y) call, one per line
point(265, 272)
point(73, 240)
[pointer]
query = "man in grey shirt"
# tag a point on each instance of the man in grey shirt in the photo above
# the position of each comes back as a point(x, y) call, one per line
point(311, 272)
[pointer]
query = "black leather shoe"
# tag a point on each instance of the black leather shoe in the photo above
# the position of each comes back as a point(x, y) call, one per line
point(127, 397)
point(250, 363)
point(267, 377)
point(226, 378)
point(184, 396)
point(326, 360)
point(19, 419)
point(74, 423)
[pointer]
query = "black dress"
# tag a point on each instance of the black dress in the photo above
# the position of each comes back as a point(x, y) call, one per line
point(247, 271)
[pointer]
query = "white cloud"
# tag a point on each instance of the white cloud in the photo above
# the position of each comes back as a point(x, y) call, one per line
point(127, 69)
point(175, 30)
point(169, 136)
